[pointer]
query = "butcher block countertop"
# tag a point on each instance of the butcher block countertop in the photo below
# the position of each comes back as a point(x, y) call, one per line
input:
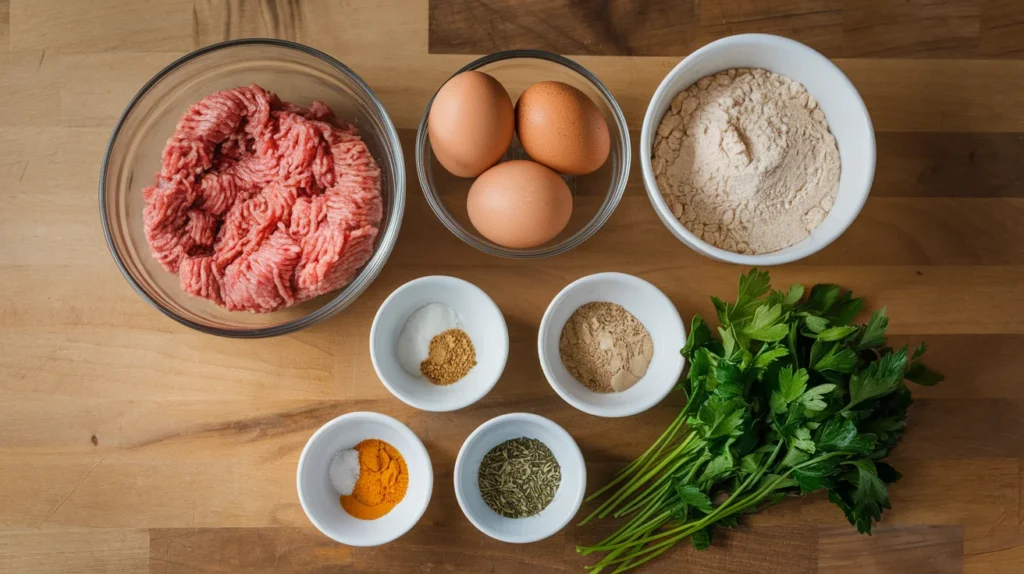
point(129, 443)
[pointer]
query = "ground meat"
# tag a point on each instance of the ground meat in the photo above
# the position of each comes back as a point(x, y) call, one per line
point(261, 204)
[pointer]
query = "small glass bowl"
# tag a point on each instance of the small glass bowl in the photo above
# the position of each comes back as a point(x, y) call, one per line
point(595, 195)
point(297, 74)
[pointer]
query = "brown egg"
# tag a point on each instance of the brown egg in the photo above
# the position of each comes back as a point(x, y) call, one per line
point(519, 204)
point(470, 124)
point(560, 127)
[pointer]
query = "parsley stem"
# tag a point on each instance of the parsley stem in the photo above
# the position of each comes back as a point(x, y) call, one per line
point(609, 505)
point(651, 453)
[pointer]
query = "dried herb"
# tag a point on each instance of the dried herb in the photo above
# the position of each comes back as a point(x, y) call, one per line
point(519, 477)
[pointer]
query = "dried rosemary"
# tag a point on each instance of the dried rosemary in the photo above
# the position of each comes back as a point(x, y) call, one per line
point(519, 477)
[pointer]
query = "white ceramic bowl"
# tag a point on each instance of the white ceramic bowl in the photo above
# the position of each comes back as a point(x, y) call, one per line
point(481, 320)
point(321, 502)
point(570, 491)
point(844, 109)
point(651, 307)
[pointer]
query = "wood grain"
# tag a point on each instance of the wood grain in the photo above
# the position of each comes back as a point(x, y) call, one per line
point(619, 28)
point(130, 444)
point(817, 23)
point(836, 28)
point(917, 28)
point(892, 549)
point(85, 551)
point(1002, 26)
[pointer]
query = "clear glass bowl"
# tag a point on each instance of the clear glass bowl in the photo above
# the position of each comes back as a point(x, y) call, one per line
point(595, 195)
point(297, 74)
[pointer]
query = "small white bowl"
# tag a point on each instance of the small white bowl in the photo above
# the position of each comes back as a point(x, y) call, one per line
point(481, 320)
point(321, 502)
point(567, 499)
point(651, 307)
point(844, 109)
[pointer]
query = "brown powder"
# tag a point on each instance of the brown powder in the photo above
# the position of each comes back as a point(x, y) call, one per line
point(450, 358)
point(605, 347)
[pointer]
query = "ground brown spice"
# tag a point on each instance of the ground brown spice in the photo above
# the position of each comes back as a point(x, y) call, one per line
point(451, 357)
point(605, 347)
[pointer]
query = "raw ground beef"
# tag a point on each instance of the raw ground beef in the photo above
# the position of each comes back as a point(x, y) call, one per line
point(261, 204)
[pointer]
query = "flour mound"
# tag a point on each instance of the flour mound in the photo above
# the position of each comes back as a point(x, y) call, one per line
point(746, 162)
point(261, 204)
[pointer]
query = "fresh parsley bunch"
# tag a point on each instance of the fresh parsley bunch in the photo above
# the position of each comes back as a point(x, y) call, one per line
point(789, 398)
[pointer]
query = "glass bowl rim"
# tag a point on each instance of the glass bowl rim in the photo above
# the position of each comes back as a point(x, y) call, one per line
point(366, 275)
point(611, 200)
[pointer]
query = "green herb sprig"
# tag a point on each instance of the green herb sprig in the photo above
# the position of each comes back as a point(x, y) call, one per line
point(790, 397)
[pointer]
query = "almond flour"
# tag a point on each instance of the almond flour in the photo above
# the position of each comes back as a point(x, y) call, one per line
point(746, 162)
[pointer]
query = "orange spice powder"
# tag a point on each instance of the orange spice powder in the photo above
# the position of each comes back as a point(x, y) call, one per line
point(383, 480)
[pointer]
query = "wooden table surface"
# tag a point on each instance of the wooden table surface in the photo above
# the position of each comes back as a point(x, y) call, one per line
point(129, 443)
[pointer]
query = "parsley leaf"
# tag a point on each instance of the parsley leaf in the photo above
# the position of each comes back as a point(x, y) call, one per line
point(753, 286)
point(870, 496)
point(844, 309)
point(767, 325)
point(728, 342)
point(811, 399)
point(873, 333)
point(719, 466)
point(840, 435)
point(793, 296)
point(815, 324)
point(838, 357)
point(692, 496)
point(700, 335)
point(720, 416)
point(791, 386)
point(837, 333)
point(822, 297)
point(767, 356)
point(879, 378)
point(919, 351)
point(701, 539)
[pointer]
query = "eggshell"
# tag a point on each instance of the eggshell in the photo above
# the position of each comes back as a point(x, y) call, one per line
point(519, 204)
point(562, 128)
point(471, 123)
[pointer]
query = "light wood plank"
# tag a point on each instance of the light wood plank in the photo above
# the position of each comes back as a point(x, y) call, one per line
point(145, 25)
point(430, 545)
point(75, 552)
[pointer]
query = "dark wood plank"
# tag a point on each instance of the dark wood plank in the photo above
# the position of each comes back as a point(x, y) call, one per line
point(975, 366)
point(957, 428)
point(5, 25)
point(817, 23)
point(837, 28)
point(1002, 29)
point(949, 164)
point(623, 27)
point(892, 550)
point(912, 28)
